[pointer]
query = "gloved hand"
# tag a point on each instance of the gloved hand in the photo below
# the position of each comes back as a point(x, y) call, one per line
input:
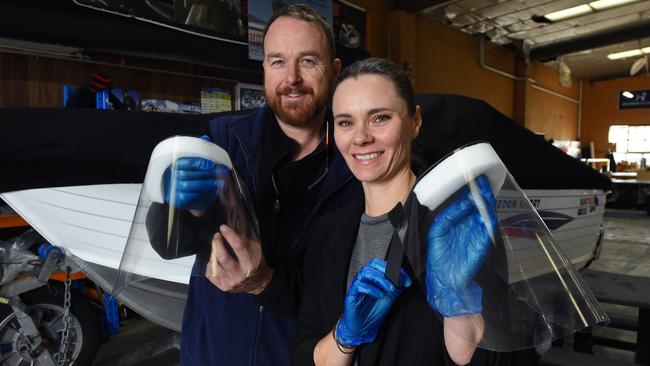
point(458, 242)
point(196, 182)
point(367, 302)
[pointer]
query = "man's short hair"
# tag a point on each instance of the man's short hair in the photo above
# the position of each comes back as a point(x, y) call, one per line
point(309, 15)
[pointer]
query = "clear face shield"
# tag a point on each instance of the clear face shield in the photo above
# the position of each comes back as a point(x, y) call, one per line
point(189, 191)
point(497, 265)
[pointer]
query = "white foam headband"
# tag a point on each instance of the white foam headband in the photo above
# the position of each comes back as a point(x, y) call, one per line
point(173, 148)
point(461, 167)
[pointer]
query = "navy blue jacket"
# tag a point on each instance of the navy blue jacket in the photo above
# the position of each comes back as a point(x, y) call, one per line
point(238, 329)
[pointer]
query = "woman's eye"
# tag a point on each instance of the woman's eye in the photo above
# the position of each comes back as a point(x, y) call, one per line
point(381, 118)
point(344, 123)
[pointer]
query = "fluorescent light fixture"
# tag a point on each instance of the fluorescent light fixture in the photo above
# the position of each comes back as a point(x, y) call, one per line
point(628, 95)
point(606, 4)
point(569, 13)
point(624, 54)
point(584, 9)
point(645, 49)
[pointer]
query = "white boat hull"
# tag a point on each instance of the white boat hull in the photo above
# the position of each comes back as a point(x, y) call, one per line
point(92, 223)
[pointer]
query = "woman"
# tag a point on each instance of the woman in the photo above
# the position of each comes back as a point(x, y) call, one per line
point(351, 311)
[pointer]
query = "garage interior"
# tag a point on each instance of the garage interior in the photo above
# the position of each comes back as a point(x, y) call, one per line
point(573, 72)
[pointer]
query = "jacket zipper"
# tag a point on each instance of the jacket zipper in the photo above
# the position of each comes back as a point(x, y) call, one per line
point(248, 165)
point(256, 340)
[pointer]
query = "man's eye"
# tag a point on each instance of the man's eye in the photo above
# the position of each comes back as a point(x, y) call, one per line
point(276, 62)
point(308, 61)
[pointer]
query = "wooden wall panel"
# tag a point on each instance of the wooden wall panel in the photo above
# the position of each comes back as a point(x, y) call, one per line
point(601, 110)
point(377, 18)
point(30, 81)
point(551, 115)
point(447, 62)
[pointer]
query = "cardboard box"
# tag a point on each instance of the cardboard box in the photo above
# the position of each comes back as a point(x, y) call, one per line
point(643, 175)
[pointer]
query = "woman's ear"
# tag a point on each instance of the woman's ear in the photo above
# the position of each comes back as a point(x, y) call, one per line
point(417, 121)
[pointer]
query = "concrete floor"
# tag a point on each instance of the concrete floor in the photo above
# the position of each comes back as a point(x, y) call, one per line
point(625, 249)
point(154, 345)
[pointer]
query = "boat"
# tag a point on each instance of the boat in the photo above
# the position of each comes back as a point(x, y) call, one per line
point(81, 194)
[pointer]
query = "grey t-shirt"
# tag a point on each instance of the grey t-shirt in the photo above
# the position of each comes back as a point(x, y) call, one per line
point(372, 242)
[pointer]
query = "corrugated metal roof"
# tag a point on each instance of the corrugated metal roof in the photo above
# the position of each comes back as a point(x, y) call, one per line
point(510, 23)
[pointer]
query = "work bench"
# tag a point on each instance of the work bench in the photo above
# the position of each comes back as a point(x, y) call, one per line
point(627, 290)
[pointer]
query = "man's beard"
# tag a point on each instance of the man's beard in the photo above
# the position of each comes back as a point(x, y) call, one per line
point(299, 113)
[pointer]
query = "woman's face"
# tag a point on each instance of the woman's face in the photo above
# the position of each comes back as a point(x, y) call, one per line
point(372, 127)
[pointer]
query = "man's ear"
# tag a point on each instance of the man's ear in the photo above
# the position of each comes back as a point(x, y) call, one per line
point(336, 67)
point(417, 121)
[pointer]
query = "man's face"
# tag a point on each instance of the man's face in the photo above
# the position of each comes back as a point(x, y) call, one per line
point(298, 71)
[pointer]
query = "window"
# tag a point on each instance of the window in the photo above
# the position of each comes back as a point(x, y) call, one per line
point(632, 142)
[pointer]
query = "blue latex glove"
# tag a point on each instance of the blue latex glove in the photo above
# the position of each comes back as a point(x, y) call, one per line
point(196, 182)
point(367, 302)
point(458, 242)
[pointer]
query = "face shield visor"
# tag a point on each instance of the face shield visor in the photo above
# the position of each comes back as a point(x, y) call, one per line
point(189, 191)
point(499, 267)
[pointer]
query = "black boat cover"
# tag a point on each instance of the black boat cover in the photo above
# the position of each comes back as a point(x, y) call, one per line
point(451, 121)
point(61, 147)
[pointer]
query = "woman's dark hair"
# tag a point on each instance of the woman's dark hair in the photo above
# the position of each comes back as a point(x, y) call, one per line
point(388, 69)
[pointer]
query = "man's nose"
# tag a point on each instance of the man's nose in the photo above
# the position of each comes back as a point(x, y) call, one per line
point(293, 75)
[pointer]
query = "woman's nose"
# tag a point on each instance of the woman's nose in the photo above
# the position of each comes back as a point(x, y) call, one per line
point(361, 135)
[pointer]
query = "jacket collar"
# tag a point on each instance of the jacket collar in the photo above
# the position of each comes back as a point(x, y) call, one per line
point(251, 136)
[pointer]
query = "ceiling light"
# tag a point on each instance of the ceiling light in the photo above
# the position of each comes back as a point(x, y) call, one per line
point(645, 49)
point(583, 9)
point(624, 54)
point(606, 4)
point(569, 13)
point(628, 95)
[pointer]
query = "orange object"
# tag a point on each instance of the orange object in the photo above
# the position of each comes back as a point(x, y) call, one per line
point(8, 221)
point(60, 276)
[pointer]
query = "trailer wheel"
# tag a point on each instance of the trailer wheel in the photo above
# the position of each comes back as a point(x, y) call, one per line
point(45, 306)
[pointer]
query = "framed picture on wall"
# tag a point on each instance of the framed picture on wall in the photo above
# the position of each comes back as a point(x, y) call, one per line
point(248, 96)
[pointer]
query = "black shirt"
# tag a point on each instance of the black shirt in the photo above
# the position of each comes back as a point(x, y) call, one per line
point(286, 184)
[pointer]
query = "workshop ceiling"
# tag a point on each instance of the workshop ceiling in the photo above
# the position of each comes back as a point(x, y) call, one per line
point(582, 41)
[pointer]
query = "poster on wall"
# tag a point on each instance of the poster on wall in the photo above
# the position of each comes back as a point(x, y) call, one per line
point(159, 105)
point(249, 96)
point(130, 98)
point(634, 99)
point(350, 25)
point(218, 19)
point(215, 100)
point(260, 11)
point(350, 31)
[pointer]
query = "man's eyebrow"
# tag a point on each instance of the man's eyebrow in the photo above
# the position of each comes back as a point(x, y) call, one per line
point(302, 54)
point(273, 55)
point(310, 53)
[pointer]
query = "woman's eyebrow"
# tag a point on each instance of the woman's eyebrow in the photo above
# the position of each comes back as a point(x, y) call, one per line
point(370, 111)
point(343, 115)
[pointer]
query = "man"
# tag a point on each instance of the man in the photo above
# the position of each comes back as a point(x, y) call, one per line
point(244, 314)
